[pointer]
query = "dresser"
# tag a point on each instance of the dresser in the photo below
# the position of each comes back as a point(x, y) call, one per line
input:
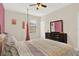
point(61, 37)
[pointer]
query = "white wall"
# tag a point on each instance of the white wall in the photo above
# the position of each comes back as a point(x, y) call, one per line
point(69, 16)
point(42, 28)
point(78, 30)
point(17, 29)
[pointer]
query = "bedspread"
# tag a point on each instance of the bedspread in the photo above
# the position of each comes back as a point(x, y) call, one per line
point(44, 48)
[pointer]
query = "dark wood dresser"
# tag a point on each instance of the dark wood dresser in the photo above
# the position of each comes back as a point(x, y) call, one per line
point(61, 37)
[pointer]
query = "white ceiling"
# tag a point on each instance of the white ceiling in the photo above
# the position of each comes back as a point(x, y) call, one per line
point(22, 8)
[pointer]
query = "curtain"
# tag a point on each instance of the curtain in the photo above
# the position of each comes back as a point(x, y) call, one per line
point(27, 32)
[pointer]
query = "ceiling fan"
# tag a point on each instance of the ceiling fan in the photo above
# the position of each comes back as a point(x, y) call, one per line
point(39, 5)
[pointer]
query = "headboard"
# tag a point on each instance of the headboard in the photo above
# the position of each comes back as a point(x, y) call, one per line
point(1, 42)
point(0, 46)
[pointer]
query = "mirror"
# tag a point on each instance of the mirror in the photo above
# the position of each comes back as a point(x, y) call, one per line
point(56, 26)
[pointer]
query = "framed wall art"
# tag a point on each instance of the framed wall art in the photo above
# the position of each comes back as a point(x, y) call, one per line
point(14, 21)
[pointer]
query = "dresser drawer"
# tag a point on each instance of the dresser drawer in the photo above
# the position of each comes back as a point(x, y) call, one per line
point(47, 35)
point(61, 37)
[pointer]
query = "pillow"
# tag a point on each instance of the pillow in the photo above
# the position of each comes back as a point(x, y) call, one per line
point(9, 46)
point(14, 51)
point(2, 36)
point(9, 51)
point(6, 51)
point(10, 40)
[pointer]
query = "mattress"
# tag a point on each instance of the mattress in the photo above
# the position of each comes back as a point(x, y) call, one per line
point(44, 48)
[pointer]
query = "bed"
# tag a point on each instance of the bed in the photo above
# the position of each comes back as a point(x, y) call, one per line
point(38, 47)
point(44, 48)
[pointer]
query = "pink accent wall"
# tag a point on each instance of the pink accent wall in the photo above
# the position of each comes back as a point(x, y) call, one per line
point(2, 17)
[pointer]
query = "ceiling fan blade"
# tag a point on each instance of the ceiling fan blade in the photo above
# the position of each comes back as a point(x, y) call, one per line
point(43, 5)
point(38, 5)
point(32, 5)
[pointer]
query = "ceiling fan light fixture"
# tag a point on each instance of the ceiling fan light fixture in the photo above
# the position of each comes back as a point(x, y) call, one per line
point(39, 6)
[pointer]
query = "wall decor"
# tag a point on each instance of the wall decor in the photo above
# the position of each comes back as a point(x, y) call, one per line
point(14, 21)
point(56, 26)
